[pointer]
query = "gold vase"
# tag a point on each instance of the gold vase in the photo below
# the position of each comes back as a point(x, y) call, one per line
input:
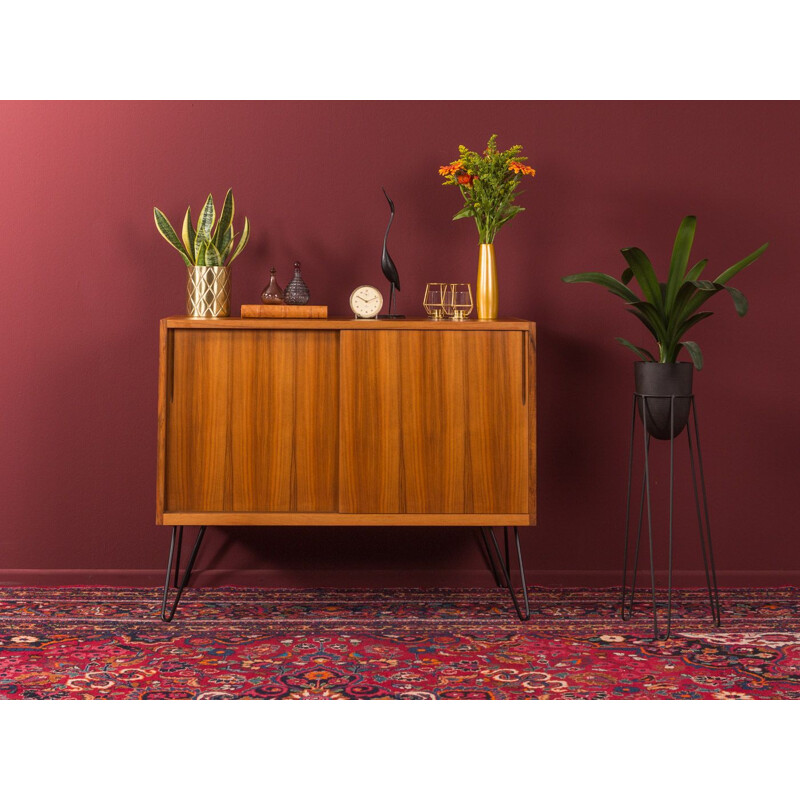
point(208, 291)
point(486, 296)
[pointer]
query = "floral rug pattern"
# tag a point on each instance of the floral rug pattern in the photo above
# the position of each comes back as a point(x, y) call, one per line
point(408, 644)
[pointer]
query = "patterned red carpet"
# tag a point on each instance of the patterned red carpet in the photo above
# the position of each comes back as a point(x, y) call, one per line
point(108, 643)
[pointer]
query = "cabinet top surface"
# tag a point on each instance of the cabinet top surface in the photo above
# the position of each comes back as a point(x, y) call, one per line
point(349, 323)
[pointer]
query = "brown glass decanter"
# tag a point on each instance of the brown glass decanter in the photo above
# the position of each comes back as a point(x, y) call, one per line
point(273, 294)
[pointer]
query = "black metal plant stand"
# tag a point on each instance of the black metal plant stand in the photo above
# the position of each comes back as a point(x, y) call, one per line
point(642, 401)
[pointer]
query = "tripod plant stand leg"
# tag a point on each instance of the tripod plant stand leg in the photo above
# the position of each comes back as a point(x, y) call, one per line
point(627, 522)
point(708, 559)
point(649, 515)
point(177, 536)
point(671, 495)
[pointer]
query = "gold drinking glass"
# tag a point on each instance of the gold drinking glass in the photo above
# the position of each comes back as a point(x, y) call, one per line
point(434, 300)
point(458, 303)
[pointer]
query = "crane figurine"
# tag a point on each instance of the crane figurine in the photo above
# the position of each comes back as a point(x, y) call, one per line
point(388, 267)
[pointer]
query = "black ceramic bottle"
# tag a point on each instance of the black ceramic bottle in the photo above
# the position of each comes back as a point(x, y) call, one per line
point(296, 293)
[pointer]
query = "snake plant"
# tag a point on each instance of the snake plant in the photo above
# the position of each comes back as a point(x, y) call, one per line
point(669, 309)
point(205, 245)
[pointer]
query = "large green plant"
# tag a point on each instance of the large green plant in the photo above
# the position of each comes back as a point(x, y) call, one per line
point(669, 309)
point(205, 245)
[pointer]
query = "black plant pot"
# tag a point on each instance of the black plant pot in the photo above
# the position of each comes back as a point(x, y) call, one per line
point(664, 380)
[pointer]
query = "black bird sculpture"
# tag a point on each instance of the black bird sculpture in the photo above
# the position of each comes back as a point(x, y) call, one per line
point(387, 265)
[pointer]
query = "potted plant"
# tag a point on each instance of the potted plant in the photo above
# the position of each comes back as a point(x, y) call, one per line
point(205, 251)
point(489, 185)
point(668, 309)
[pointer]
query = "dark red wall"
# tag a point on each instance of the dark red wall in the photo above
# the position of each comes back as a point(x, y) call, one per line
point(86, 279)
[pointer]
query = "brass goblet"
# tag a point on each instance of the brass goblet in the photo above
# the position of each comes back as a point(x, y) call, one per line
point(434, 300)
point(459, 301)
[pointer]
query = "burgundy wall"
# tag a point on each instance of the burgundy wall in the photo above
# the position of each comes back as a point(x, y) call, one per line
point(86, 279)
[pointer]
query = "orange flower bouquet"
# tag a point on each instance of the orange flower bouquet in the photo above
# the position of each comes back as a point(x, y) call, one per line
point(489, 185)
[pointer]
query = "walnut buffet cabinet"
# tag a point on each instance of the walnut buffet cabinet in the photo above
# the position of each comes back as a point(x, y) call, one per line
point(346, 422)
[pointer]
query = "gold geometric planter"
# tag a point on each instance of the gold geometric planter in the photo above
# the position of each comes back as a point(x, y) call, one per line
point(208, 291)
point(486, 296)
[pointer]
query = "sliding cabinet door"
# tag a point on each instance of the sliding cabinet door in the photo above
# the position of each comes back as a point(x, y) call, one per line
point(198, 454)
point(285, 422)
point(433, 422)
point(252, 421)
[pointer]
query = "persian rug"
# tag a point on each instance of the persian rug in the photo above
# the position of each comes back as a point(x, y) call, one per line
point(409, 644)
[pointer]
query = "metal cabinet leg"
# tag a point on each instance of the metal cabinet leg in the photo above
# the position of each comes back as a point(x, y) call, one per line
point(505, 567)
point(175, 547)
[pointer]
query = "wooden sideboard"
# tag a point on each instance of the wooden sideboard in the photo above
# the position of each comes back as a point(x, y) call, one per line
point(346, 422)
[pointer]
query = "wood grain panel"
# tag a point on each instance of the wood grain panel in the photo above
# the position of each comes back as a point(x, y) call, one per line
point(369, 422)
point(316, 415)
point(336, 519)
point(433, 420)
point(497, 423)
point(530, 338)
point(285, 421)
point(164, 382)
point(346, 323)
point(285, 312)
point(198, 463)
point(262, 429)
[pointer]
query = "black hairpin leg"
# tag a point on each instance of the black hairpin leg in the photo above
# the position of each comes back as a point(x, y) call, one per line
point(498, 578)
point(177, 538)
point(505, 567)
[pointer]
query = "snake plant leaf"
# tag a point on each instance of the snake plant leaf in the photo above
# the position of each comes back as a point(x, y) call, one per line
point(168, 232)
point(697, 270)
point(645, 276)
point(242, 241)
point(694, 351)
point(201, 252)
point(627, 275)
point(205, 223)
point(693, 321)
point(740, 265)
point(226, 243)
point(601, 279)
point(188, 232)
point(200, 237)
point(640, 351)
point(680, 258)
point(212, 256)
point(225, 219)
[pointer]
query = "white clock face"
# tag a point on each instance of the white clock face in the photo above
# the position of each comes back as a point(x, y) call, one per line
point(366, 302)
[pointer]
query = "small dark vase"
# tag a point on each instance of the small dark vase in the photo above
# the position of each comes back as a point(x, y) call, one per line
point(296, 293)
point(273, 294)
point(652, 378)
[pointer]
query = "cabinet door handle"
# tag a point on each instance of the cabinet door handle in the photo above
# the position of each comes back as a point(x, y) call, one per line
point(170, 365)
point(524, 367)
